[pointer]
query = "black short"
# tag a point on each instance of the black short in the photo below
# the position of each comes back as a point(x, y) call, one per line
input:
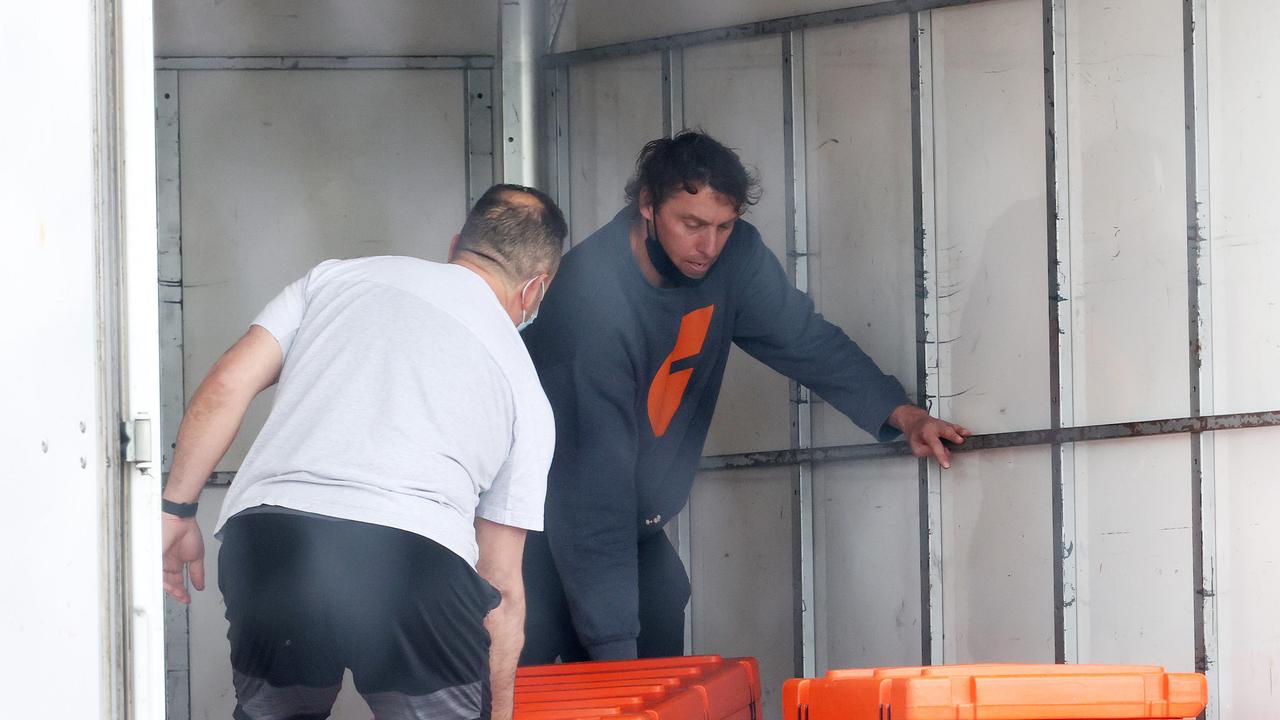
point(308, 596)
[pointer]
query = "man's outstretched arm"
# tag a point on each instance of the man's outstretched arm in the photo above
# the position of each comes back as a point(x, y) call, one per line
point(210, 424)
point(780, 326)
point(501, 558)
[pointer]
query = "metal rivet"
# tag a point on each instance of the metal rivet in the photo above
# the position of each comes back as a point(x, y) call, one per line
point(83, 463)
point(82, 428)
point(44, 446)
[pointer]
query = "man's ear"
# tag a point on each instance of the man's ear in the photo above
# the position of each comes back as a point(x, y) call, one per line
point(535, 292)
point(453, 247)
point(644, 201)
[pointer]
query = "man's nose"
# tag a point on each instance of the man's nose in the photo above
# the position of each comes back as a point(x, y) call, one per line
point(706, 243)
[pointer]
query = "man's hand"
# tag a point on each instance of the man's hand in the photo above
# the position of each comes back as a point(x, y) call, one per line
point(183, 550)
point(925, 433)
point(500, 563)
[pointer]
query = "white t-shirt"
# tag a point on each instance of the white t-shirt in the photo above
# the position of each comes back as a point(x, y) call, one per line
point(407, 399)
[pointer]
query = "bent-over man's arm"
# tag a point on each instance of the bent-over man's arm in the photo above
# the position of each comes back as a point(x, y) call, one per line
point(501, 557)
point(210, 424)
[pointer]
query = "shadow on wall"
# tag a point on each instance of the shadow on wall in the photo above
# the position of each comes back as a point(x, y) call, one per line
point(999, 571)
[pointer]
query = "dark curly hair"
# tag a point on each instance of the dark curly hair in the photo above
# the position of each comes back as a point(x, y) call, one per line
point(687, 161)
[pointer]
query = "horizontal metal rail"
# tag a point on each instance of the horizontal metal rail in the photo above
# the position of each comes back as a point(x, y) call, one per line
point(994, 441)
point(749, 30)
point(371, 62)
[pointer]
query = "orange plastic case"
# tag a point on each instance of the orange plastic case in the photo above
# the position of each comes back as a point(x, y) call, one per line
point(998, 692)
point(703, 687)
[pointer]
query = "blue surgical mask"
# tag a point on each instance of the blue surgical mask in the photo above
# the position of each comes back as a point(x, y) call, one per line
point(527, 318)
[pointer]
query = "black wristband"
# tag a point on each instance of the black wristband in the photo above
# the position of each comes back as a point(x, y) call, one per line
point(177, 509)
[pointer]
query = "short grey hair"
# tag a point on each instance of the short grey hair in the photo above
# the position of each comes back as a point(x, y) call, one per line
point(518, 228)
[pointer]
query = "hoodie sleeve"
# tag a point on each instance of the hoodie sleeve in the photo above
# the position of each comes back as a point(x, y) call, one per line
point(779, 326)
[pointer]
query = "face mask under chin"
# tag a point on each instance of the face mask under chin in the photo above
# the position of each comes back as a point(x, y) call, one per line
point(662, 262)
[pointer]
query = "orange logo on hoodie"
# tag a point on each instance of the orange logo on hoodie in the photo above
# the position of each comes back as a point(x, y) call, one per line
point(667, 389)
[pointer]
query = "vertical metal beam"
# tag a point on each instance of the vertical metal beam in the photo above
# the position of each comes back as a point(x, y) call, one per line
point(928, 377)
point(547, 180)
point(177, 631)
point(478, 133)
point(520, 29)
point(672, 123)
point(797, 229)
point(558, 152)
point(1061, 414)
point(1200, 346)
point(169, 264)
point(110, 328)
point(672, 91)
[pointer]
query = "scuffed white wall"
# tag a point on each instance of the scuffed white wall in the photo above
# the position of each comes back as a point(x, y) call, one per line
point(1244, 157)
point(866, 519)
point(614, 109)
point(1126, 213)
point(993, 328)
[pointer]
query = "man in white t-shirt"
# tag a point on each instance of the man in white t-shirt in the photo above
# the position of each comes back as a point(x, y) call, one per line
point(378, 521)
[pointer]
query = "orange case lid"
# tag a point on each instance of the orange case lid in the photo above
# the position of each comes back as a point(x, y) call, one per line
point(591, 693)
point(1000, 692)
point(676, 675)
point(617, 702)
point(568, 714)
point(684, 688)
point(574, 683)
point(595, 666)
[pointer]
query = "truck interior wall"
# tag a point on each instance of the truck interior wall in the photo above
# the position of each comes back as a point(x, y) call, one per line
point(988, 131)
point(742, 574)
point(1126, 209)
point(866, 517)
point(1244, 158)
point(241, 28)
point(615, 108)
point(54, 473)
